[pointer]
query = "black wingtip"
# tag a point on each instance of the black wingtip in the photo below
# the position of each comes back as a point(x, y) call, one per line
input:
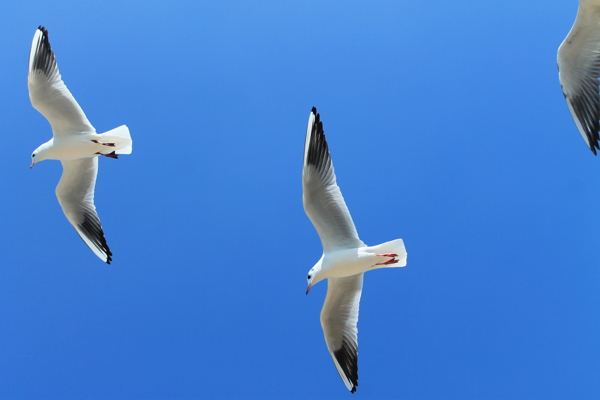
point(585, 110)
point(44, 56)
point(92, 229)
point(108, 254)
point(44, 35)
point(318, 150)
point(347, 358)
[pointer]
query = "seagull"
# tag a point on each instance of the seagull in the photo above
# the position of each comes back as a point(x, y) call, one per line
point(74, 142)
point(345, 257)
point(579, 70)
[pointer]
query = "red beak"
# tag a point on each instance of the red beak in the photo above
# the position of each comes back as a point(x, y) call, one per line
point(308, 288)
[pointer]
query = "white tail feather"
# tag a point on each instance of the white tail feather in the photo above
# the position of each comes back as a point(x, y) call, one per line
point(120, 137)
point(392, 247)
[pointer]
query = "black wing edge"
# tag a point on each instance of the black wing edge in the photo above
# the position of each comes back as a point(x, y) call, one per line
point(347, 358)
point(588, 116)
point(318, 150)
point(92, 229)
point(44, 56)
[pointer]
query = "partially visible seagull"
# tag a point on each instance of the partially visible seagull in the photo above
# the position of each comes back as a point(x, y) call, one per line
point(345, 257)
point(579, 70)
point(75, 143)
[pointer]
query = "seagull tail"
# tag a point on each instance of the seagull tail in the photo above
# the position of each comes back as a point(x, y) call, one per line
point(393, 247)
point(120, 137)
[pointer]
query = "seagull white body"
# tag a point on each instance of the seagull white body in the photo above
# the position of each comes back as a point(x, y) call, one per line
point(75, 143)
point(348, 262)
point(579, 70)
point(345, 257)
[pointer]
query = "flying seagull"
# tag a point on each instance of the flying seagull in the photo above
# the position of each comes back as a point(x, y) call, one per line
point(74, 142)
point(579, 70)
point(345, 257)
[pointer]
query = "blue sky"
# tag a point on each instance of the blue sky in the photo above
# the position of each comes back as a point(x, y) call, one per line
point(447, 128)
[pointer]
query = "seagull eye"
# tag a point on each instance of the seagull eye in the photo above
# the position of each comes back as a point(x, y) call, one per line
point(309, 277)
point(33, 155)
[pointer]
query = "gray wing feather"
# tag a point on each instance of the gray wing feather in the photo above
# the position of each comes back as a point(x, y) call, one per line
point(322, 198)
point(579, 70)
point(339, 318)
point(48, 93)
point(75, 193)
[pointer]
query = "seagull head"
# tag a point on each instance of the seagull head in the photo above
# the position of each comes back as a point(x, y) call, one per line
point(314, 275)
point(39, 154)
